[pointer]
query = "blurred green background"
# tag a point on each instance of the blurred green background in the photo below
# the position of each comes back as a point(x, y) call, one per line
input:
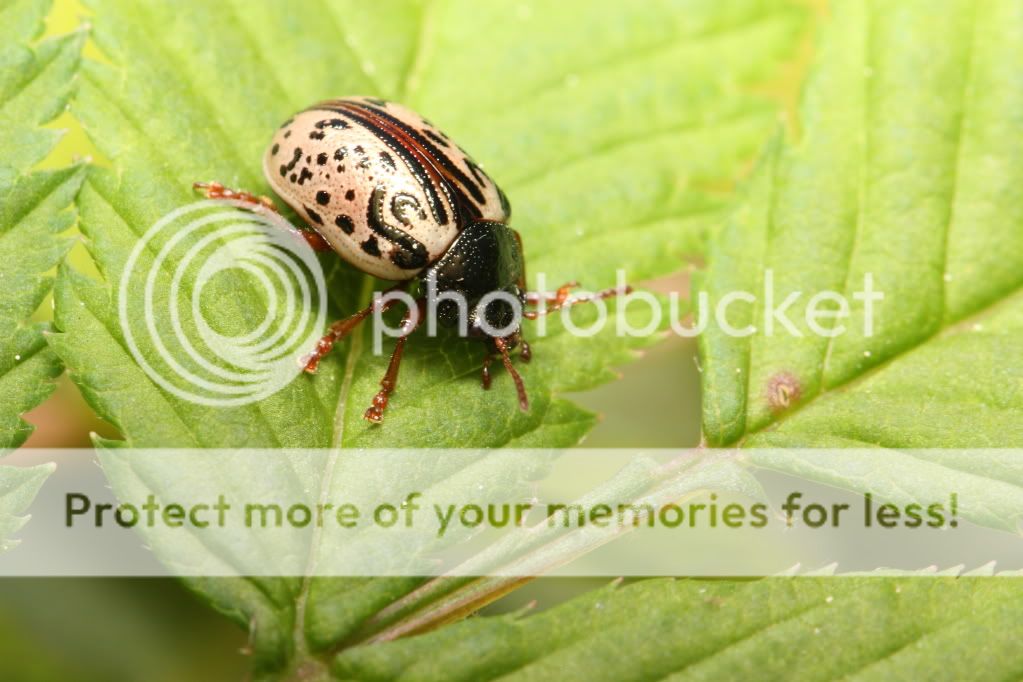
point(147, 629)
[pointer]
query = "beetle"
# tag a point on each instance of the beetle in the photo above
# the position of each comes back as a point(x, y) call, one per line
point(396, 198)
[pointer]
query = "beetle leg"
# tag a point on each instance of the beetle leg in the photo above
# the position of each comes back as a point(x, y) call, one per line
point(262, 205)
point(520, 388)
point(559, 297)
point(342, 328)
point(375, 412)
point(527, 352)
point(485, 374)
point(313, 239)
point(214, 190)
point(562, 300)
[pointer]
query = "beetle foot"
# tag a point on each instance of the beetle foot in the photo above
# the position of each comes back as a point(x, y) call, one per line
point(375, 412)
point(527, 351)
point(312, 361)
point(485, 374)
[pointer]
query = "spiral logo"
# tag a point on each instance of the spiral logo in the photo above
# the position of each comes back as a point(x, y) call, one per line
point(218, 304)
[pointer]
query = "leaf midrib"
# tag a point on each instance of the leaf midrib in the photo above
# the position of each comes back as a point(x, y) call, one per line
point(355, 350)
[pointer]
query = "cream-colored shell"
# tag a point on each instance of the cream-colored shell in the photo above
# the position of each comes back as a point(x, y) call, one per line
point(377, 203)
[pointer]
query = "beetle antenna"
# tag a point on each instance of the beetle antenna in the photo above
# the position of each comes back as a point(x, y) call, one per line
point(502, 346)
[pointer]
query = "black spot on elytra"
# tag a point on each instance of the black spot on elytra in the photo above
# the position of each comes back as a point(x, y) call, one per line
point(305, 175)
point(321, 158)
point(287, 134)
point(388, 160)
point(322, 198)
point(284, 170)
point(359, 149)
point(276, 148)
point(313, 215)
point(317, 135)
point(340, 154)
point(294, 177)
point(364, 163)
point(308, 159)
point(341, 168)
point(371, 246)
point(295, 157)
point(350, 195)
point(346, 224)
point(331, 123)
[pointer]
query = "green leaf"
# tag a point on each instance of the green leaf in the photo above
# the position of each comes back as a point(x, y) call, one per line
point(907, 168)
point(18, 487)
point(615, 133)
point(778, 628)
point(33, 211)
point(35, 82)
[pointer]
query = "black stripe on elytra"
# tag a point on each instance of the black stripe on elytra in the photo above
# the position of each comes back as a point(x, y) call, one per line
point(440, 214)
point(409, 252)
point(436, 138)
point(476, 171)
point(468, 210)
point(475, 190)
point(505, 205)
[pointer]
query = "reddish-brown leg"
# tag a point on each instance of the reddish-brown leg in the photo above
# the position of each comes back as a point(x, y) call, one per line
point(526, 354)
point(260, 204)
point(520, 388)
point(485, 374)
point(375, 412)
point(561, 299)
point(343, 328)
point(214, 190)
point(527, 351)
